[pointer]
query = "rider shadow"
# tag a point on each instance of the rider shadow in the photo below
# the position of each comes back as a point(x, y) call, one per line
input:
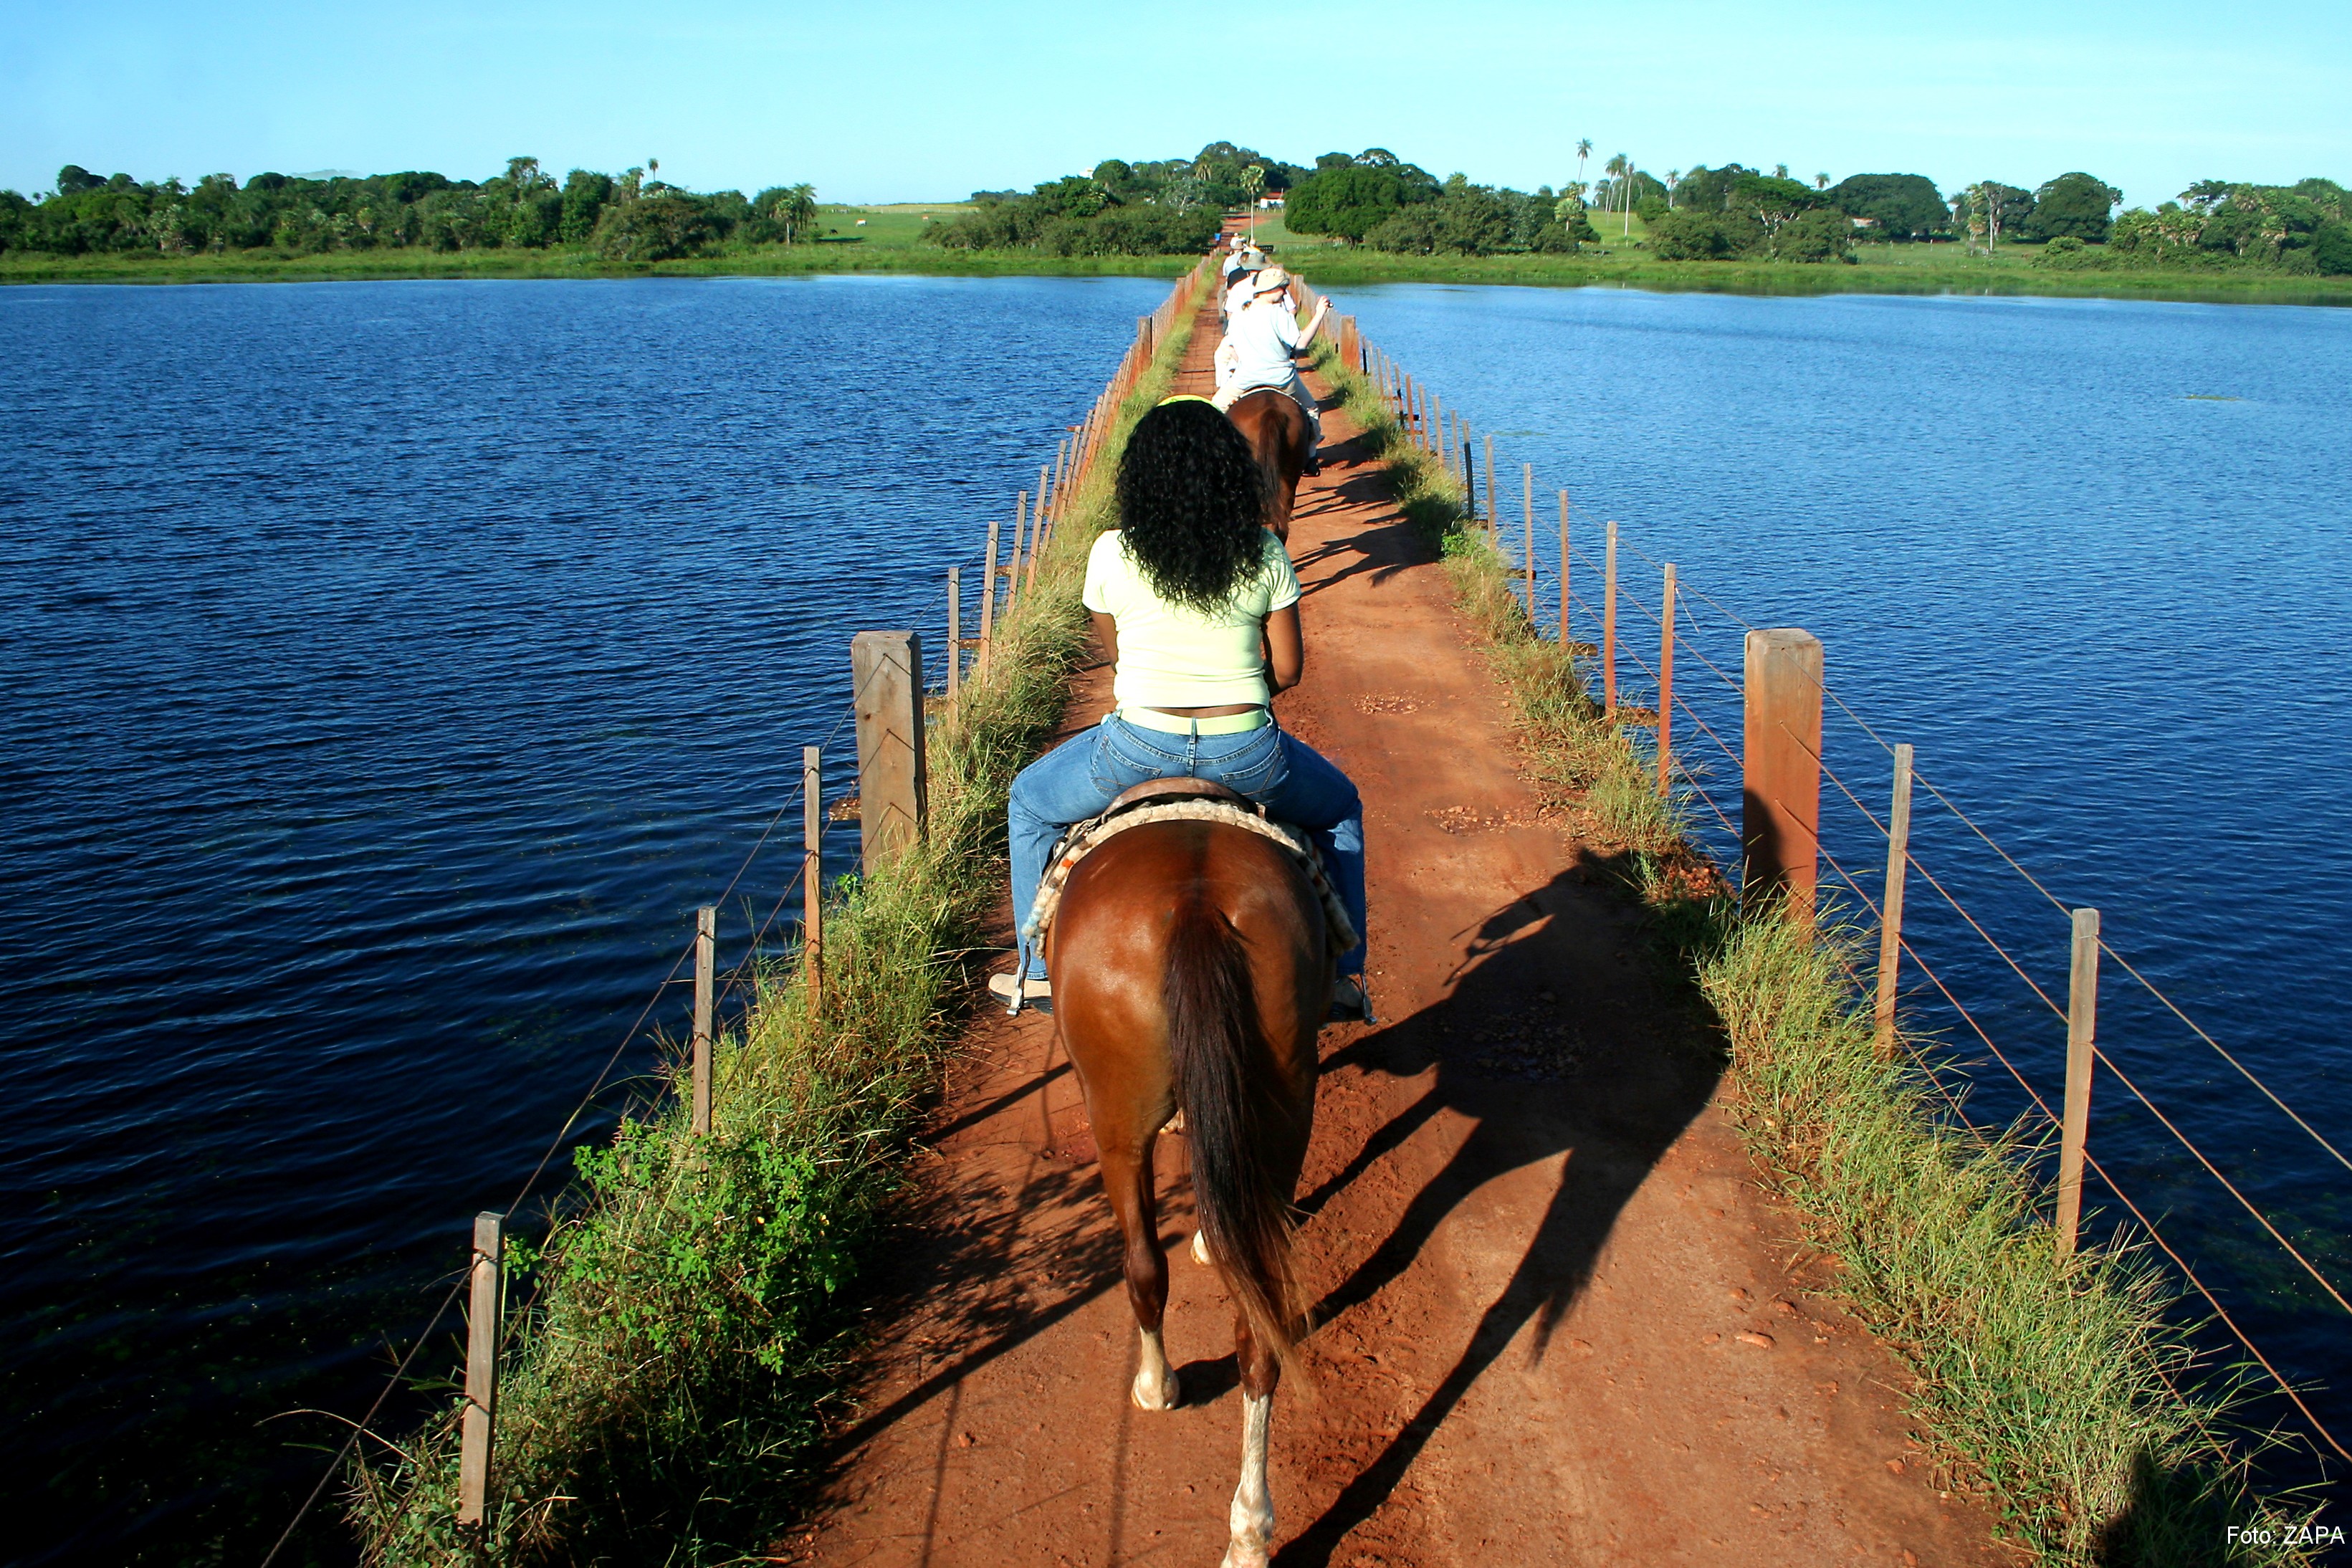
point(1633, 1090)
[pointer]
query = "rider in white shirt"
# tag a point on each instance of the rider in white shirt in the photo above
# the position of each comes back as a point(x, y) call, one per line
point(1264, 340)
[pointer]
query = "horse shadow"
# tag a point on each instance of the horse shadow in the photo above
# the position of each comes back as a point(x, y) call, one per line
point(1644, 1062)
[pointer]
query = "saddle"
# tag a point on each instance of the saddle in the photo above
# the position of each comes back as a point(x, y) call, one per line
point(1182, 800)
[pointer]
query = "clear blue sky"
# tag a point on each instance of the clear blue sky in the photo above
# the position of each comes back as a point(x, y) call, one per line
point(914, 99)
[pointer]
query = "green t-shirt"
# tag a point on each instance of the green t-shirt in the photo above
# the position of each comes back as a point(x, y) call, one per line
point(1172, 655)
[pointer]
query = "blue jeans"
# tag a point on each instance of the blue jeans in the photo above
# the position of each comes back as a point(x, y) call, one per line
point(1080, 778)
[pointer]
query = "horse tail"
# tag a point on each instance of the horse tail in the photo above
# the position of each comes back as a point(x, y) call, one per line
point(1233, 1114)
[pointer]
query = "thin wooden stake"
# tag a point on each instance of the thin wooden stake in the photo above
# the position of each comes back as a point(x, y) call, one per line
point(1890, 908)
point(812, 876)
point(1469, 481)
point(1012, 561)
point(988, 601)
point(955, 627)
point(478, 1426)
point(1566, 641)
point(2082, 1031)
point(1493, 505)
point(1666, 685)
point(1527, 499)
point(706, 965)
point(1036, 538)
point(1609, 627)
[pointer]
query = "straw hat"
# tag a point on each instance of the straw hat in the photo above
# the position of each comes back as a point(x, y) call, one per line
point(1270, 278)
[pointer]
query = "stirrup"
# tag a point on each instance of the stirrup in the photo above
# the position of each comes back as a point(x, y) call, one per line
point(1037, 994)
point(1350, 1003)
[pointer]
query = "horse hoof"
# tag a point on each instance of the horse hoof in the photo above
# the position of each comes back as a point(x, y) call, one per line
point(1165, 1394)
point(1200, 1248)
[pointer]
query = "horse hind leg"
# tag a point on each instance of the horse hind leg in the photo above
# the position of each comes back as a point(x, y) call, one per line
point(1128, 1179)
point(1250, 1520)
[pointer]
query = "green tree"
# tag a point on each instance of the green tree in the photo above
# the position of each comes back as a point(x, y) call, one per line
point(1899, 206)
point(584, 195)
point(2076, 203)
point(1687, 234)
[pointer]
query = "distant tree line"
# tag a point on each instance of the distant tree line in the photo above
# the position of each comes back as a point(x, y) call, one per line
point(628, 217)
point(1170, 206)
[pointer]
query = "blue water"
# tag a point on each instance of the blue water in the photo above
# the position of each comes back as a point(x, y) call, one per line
point(2093, 559)
point(387, 672)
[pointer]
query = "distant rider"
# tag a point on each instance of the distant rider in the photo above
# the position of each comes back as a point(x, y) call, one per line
point(1266, 340)
point(1190, 593)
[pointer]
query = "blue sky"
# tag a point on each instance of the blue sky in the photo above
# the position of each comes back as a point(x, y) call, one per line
point(912, 100)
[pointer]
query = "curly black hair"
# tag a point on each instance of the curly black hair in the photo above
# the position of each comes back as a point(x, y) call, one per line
point(1192, 503)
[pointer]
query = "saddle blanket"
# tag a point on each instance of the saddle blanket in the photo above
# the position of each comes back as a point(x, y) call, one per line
point(1082, 839)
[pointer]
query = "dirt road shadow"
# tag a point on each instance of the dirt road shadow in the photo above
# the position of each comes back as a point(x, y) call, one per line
point(1555, 1042)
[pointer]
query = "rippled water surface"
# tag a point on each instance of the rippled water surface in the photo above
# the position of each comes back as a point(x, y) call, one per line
point(2093, 559)
point(386, 672)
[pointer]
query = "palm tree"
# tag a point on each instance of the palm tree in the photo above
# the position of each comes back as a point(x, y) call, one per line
point(1253, 182)
point(1673, 183)
point(1780, 171)
point(796, 210)
point(1820, 182)
point(1583, 150)
point(1622, 167)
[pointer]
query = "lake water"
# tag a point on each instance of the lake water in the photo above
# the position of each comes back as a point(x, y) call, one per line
point(386, 672)
point(389, 670)
point(2093, 559)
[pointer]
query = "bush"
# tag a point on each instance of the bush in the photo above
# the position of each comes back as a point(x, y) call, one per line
point(654, 228)
point(1822, 236)
point(1687, 236)
point(2331, 248)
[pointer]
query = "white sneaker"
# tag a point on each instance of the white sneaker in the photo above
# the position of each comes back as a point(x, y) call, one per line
point(1033, 991)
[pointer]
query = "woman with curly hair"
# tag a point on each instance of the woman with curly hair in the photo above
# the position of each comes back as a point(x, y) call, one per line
point(1189, 594)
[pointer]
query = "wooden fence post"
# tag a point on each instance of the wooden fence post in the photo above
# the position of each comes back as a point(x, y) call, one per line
point(1780, 789)
point(1666, 684)
point(1469, 478)
point(1012, 561)
point(706, 965)
point(1890, 906)
point(479, 1425)
point(988, 601)
point(955, 627)
point(1609, 628)
point(1566, 641)
point(1527, 501)
point(2082, 1030)
point(892, 790)
point(1493, 499)
point(1036, 538)
point(812, 876)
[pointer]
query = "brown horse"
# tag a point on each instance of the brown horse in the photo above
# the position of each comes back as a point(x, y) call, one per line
point(1191, 972)
point(1277, 430)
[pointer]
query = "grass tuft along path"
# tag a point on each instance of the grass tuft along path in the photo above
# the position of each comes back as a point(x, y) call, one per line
point(1557, 1320)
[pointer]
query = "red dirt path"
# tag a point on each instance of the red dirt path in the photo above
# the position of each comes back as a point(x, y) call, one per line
point(1558, 1318)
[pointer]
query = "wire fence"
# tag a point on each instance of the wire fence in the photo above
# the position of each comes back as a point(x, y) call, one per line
point(1447, 435)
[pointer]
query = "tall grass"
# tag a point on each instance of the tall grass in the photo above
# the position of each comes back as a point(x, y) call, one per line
point(2070, 1396)
point(665, 1385)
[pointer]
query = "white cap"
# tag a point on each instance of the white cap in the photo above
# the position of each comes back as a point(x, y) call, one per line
point(1270, 278)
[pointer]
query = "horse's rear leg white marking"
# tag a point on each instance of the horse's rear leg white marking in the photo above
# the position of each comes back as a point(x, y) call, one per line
point(1252, 1519)
point(1156, 1387)
point(1200, 1248)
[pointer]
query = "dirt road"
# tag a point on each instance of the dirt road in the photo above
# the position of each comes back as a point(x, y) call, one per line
point(1558, 1319)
